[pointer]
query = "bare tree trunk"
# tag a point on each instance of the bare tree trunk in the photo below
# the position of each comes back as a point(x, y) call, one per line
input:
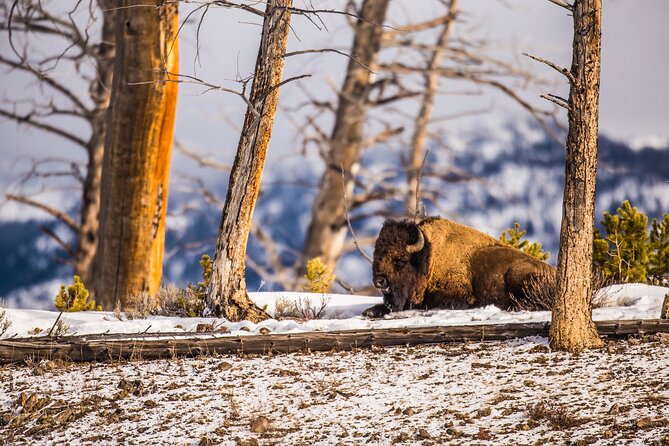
point(137, 152)
point(664, 313)
point(228, 296)
point(90, 203)
point(572, 328)
point(327, 230)
point(419, 137)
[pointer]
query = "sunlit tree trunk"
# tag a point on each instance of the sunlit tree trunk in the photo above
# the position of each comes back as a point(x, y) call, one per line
point(228, 296)
point(137, 151)
point(572, 328)
point(90, 203)
point(327, 230)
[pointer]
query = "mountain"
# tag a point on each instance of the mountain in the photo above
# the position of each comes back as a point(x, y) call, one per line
point(488, 178)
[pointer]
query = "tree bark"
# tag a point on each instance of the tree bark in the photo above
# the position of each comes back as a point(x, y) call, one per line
point(419, 137)
point(572, 328)
point(664, 313)
point(228, 296)
point(101, 87)
point(327, 230)
point(137, 154)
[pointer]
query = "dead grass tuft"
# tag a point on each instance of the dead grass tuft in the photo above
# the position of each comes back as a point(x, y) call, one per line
point(301, 309)
point(539, 293)
point(5, 323)
point(141, 305)
point(175, 301)
point(558, 416)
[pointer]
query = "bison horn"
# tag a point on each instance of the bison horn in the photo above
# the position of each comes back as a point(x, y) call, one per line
point(418, 245)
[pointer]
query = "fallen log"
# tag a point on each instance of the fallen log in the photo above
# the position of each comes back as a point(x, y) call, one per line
point(144, 346)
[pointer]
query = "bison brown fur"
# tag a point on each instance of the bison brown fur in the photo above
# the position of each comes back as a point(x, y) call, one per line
point(441, 264)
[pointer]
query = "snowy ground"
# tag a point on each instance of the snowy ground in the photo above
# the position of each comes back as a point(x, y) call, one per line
point(631, 301)
point(510, 393)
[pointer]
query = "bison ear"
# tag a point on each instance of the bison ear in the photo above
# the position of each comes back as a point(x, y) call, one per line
point(420, 243)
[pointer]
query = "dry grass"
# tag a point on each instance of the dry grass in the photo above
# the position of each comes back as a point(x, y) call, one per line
point(558, 416)
point(141, 305)
point(5, 323)
point(539, 293)
point(301, 309)
point(175, 301)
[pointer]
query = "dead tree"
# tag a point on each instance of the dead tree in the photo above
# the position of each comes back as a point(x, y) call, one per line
point(419, 136)
point(227, 295)
point(572, 328)
point(393, 84)
point(22, 21)
point(137, 152)
point(327, 229)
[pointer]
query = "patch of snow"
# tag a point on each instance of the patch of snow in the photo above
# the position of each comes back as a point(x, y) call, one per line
point(343, 312)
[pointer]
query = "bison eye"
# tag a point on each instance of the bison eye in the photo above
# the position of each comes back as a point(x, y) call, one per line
point(399, 263)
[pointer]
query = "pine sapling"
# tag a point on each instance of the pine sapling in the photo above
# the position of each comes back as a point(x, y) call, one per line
point(513, 237)
point(658, 267)
point(319, 276)
point(623, 252)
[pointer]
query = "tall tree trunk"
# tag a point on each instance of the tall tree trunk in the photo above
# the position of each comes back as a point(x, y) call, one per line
point(572, 328)
point(419, 137)
point(100, 93)
point(327, 230)
point(228, 296)
point(137, 151)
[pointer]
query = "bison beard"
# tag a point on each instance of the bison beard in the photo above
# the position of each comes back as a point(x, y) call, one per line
point(441, 264)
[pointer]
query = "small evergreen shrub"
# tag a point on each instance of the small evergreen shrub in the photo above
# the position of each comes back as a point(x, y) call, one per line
point(626, 252)
point(319, 276)
point(658, 264)
point(75, 297)
point(513, 237)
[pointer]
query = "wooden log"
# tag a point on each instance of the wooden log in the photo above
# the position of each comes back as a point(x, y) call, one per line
point(144, 346)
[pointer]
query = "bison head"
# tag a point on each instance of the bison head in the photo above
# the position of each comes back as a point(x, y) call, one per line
point(400, 264)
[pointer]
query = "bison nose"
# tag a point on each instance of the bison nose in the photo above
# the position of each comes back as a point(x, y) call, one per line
point(380, 282)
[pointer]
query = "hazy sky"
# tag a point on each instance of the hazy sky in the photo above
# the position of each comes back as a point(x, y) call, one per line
point(634, 91)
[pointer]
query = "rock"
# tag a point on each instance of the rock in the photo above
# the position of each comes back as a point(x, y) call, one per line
point(223, 366)
point(423, 434)
point(264, 331)
point(648, 422)
point(204, 328)
point(402, 437)
point(205, 441)
point(260, 425)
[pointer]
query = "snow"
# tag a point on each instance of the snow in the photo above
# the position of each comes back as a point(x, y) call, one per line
point(475, 393)
point(461, 393)
point(629, 301)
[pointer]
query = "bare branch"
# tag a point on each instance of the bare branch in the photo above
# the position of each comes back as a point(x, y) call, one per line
point(554, 66)
point(557, 100)
point(348, 220)
point(330, 50)
point(68, 250)
point(28, 119)
point(563, 4)
point(420, 176)
point(200, 159)
point(47, 80)
point(63, 217)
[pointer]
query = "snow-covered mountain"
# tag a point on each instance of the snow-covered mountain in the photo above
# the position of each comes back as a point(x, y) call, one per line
point(515, 175)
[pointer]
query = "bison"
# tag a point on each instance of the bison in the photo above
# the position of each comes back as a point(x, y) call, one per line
point(441, 264)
